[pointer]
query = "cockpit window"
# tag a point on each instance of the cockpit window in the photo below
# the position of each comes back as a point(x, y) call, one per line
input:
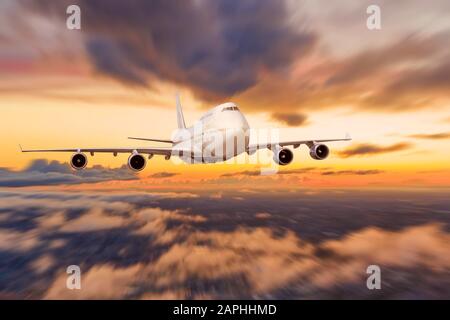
point(230, 109)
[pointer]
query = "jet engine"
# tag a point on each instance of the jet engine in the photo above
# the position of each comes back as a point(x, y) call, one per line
point(283, 156)
point(78, 161)
point(319, 151)
point(136, 162)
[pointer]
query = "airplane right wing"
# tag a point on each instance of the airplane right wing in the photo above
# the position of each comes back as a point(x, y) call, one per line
point(159, 151)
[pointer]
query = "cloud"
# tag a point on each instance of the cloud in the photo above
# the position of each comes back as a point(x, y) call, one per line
point(386, 247)
point(254, 173)
point(160, 175)
point(371, 62)
point(100, 282)
point(94, 220)
point(341, 263)
point(242, 173)
point(152, 246)
point(431, 136)
point(213, 48)
point(404, 74)
point(284, 56)
point(322, 171)
point(18, 241)
point(155, 221)
point(415, 88)
point(352, 172)
point(44, 263)
point(291, 119)
point(41, 172)
point(367, 149)
point(345, 261)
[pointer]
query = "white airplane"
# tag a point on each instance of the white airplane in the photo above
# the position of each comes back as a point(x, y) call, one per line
point(220, 134)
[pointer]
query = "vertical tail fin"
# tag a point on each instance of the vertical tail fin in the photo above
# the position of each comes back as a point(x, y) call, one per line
point(180, 117)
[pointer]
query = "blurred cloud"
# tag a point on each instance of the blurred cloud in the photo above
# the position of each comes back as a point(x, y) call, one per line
point(41, 172)
point(18, 241)
point(284, 56)
point(291, 119)
point(213, 48)
point(256, 256)
point(352, 172)
point(229, 253)
point(95, 219)
point(147, 246)
point(322, 171)
point(431, 136)
point(259, 173)
point(100, 282)
point(371, 62)
point(243, 173)
point(367, 149)
point(163, 174)
point(409, 73)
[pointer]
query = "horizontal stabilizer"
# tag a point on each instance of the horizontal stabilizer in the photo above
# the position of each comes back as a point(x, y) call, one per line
point(147, 139)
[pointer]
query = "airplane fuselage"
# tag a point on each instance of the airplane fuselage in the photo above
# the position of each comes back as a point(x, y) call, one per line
point(220, 134)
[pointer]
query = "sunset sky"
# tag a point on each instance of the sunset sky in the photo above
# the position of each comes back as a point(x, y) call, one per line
point(310, 68)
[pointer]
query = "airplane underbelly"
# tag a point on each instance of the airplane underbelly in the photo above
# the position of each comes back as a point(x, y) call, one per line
point(224, 145)
point(216, 146)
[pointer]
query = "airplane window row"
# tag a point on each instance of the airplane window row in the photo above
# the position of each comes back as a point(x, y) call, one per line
point(230, 108)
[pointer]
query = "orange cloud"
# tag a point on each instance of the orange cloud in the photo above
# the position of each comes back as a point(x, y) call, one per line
point(431, 136)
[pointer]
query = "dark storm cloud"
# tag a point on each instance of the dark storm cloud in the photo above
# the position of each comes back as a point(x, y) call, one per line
point(367, 149)
point(291, 119)
point(216, 48)
point(41, 172)
point(160, 175)
point(109, 58)
point(431, 136)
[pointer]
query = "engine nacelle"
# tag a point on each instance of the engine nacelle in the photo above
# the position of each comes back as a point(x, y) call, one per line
point(136, 162)
point(78, 161)
point(319, 151)
point(283, 156)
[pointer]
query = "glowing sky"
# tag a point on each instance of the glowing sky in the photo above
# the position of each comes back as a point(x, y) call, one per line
point(309, 67)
